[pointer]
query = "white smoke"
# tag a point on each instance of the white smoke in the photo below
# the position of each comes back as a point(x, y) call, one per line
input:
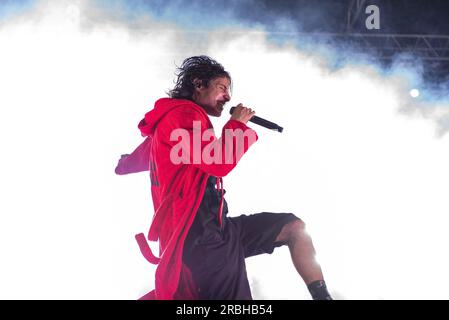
point(359, 159)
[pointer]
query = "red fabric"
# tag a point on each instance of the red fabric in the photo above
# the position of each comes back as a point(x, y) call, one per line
point(177, 189)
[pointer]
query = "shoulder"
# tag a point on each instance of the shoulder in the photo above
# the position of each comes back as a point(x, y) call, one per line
point(189, 109)
point(183, 111)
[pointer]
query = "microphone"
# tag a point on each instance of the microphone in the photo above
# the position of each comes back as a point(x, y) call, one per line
point(262, 122)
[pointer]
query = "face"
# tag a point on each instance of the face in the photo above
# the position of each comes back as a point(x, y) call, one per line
point(213, 98)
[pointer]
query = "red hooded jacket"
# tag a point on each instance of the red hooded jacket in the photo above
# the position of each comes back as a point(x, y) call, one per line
point(177, 189)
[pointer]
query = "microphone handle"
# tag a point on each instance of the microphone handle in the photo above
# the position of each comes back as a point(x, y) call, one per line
point(263, 122)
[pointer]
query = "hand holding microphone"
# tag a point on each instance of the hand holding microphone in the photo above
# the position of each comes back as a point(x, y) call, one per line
point(243, 114)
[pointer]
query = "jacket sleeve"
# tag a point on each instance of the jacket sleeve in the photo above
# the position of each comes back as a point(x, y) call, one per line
point(137, 161)
point(193, 142)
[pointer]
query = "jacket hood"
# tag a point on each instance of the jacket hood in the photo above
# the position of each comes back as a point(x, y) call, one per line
point(148, 124)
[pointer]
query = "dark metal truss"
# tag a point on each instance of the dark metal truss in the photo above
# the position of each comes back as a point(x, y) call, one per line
point(425, 47)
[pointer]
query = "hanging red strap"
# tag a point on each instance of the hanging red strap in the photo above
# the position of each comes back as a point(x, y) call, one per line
point(145, 249)
point(220, 210)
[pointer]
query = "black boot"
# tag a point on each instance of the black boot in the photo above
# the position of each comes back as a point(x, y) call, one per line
point(318, 290)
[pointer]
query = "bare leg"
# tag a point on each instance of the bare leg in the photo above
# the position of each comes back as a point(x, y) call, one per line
point(302, 251)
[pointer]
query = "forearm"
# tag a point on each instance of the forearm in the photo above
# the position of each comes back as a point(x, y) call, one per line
point(220, 156)
point(137, 161)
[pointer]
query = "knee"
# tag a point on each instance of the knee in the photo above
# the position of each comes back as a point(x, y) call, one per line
point(296, 228)
point(291, 231)
point(298, 225)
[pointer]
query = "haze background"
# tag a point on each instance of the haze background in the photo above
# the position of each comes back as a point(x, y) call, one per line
point(363, 163)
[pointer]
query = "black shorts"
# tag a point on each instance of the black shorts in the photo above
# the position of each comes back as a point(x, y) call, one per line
point(216, 255)
point(258, 232)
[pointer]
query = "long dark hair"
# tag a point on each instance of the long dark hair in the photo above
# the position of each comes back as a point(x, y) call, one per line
point(199, 67)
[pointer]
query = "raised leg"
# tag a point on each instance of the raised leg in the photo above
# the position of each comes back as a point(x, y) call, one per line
point(302, 250)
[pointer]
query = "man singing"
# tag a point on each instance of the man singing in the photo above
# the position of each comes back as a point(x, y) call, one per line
point(202, 250)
